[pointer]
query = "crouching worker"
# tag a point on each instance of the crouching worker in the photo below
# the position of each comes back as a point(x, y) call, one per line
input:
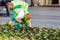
point(20, 15)
point(22, 19)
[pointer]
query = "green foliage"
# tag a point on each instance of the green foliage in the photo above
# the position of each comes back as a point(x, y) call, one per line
point(34, 33)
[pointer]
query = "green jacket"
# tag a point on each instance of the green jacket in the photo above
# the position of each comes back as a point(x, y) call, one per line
point(20, 5)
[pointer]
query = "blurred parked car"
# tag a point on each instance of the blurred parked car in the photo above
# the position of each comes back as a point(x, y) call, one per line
point(3, 7)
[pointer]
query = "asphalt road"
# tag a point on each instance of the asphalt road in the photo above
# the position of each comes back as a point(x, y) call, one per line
point(42, 16)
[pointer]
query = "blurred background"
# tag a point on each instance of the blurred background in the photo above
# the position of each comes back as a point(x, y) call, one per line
point(45, 13)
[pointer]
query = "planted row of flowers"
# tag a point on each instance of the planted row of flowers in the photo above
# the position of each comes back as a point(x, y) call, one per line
point(34, 33)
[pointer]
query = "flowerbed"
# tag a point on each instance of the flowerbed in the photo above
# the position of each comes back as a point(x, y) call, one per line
point(35, 33)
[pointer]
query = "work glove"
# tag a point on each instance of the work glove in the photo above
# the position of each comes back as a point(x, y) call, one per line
point(21, 22)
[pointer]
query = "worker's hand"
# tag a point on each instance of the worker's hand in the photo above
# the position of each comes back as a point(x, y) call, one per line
point(21, 22)
point(30, 25)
